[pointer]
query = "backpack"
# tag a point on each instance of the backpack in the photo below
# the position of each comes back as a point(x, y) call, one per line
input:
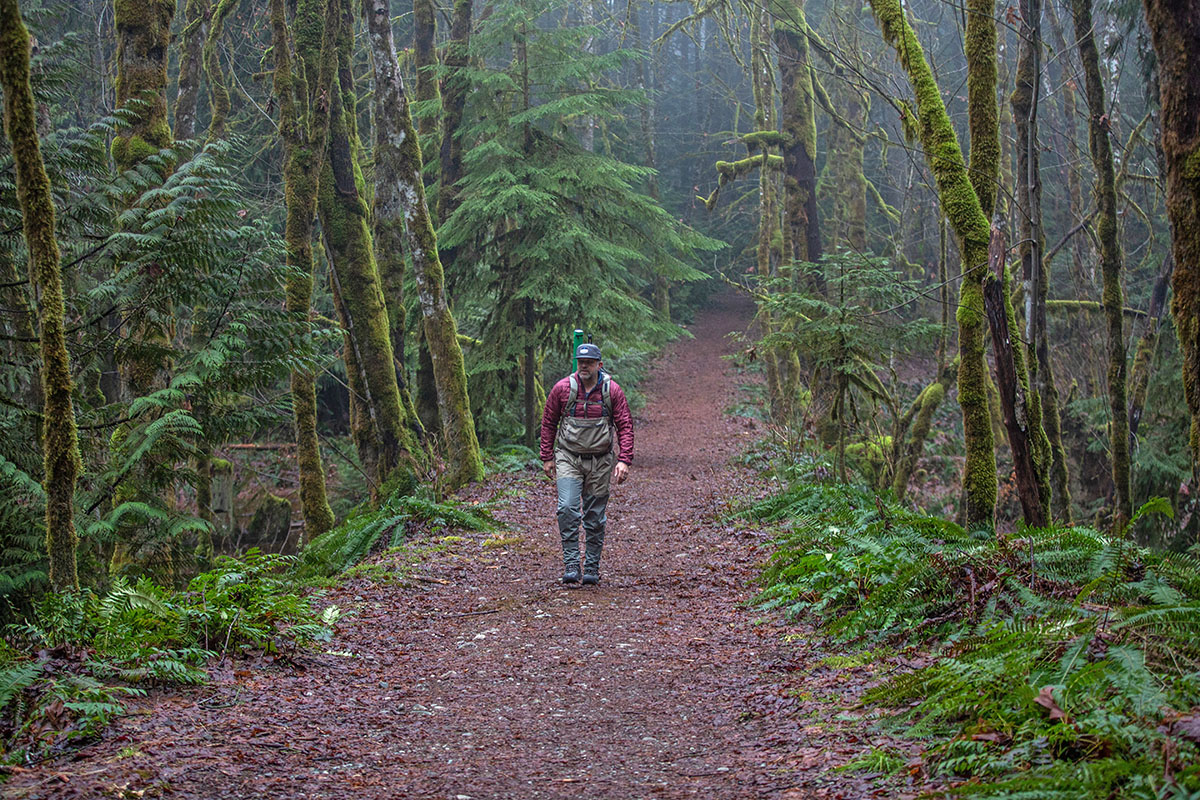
point(587, 436)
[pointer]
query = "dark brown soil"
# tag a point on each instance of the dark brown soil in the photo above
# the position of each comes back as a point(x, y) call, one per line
point(463, 669)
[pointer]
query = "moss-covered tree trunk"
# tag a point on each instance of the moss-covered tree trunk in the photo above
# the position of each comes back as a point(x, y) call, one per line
point(303, 129)
point(60, 444)
point(967, 219)
point(143, 33)
point(1108, 232)
point(387, 212)
point(456, 84)
point(1175, 31)
point(778, 401)
point(382, 432)
point(214, 74)
point(191, 66)
point(799, 128)
point(1035, 270)
point(425, 59)
point(402, 160)
point(1143, 357)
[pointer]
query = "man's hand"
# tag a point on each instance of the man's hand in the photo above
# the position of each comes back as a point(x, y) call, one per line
point(621, 471)
point(548, 468)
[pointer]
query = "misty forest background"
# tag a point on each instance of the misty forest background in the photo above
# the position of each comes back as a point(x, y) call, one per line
point(269, 270)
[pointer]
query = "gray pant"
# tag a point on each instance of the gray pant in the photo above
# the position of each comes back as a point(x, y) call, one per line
point(583, 483)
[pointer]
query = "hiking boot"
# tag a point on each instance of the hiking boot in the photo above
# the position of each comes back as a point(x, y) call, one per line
point(591, 578)
point(571, 575)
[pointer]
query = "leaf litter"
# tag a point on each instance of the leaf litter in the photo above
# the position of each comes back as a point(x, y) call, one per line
point(484, 677)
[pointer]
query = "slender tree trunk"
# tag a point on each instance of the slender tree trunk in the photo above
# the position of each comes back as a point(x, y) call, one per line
point(967, 219)
point(60, 444)
point(799, 127)
point(764, 120)
point(1019, 404)
point(455, 86)
point(1108, 232)
point(1175, 31)
point(1035, 270)
point(425, 58)
point(464, 463)
point(1143, 357)
point(303, 130)
point(191, 65)
point(218, 93)
point(662, 287)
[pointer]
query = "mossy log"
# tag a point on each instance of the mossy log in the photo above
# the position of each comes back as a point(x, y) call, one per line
point(303, 130)
point(963, 211)
point(908, 450)
point(60, 443)
point(729, 171)
point(1175, 32)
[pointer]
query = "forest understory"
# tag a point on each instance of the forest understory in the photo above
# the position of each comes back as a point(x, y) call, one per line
point(461, 667)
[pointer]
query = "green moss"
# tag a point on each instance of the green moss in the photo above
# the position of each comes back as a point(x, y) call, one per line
point(60, 443)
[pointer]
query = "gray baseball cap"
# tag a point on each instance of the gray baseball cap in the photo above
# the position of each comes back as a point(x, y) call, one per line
point(587, 350)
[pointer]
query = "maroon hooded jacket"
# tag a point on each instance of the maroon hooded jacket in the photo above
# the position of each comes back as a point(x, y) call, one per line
point(594, 407)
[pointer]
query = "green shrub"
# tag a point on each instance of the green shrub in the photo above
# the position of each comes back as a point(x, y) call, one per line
point(353, 540)
point(1064, 654)
point(76, 656)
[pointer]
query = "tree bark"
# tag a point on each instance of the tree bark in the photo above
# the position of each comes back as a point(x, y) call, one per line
point(425, 57)
point(982, 109)
point(1108, 232)
point(1018, 403)
point(464, 463)
point(303, 129)
point(1143, 357)
point(383, 435)
point(455, 86)
point(60, 443)
point(963, 211)
point(1175, 32)
point(218, 92)
point(143, 33)
point(1028, 193)
point(799, 127)
point(191, 66)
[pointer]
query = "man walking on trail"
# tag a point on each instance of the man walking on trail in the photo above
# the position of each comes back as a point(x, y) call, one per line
point(581, 413)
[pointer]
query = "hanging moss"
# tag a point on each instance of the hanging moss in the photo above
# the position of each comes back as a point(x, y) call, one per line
point(962, 208)
point(60, 444)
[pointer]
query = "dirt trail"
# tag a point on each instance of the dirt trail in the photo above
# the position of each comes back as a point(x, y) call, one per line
point(482, 677)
